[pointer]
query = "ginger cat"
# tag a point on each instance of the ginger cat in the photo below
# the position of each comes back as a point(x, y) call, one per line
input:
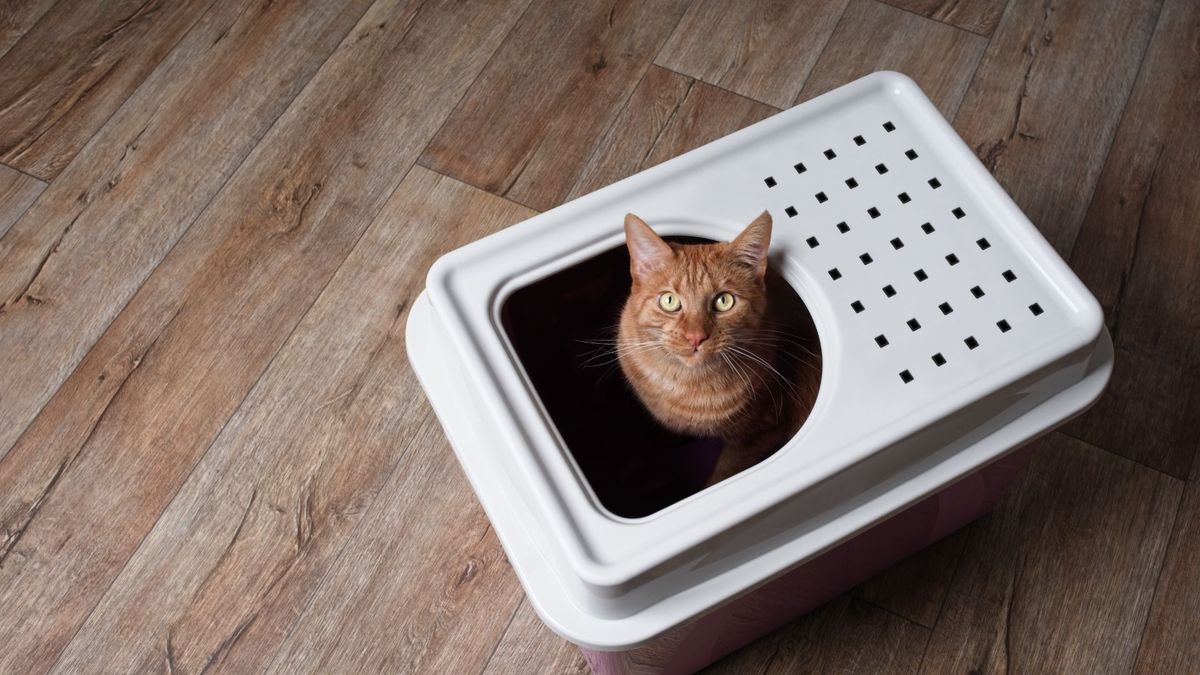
point(699, 347)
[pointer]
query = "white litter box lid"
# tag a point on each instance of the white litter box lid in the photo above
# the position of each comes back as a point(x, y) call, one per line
point(951, 333)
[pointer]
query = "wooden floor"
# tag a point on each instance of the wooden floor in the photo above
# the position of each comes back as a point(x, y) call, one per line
point(214, 216)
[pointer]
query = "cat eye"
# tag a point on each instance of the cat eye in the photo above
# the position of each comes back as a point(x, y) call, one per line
point(669, 302)
point(723, 302)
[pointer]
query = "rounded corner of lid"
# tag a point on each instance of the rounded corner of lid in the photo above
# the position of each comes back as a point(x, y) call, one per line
point(895, 81)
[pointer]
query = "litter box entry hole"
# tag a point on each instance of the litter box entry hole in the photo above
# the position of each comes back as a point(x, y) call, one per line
point(770, 181)
point(560, 328)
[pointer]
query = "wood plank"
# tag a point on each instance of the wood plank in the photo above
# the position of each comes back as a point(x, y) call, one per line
point(763, 49)
point(529, 647)
point(225, 570)
point(1045, 102)
point(68, 74)
point(1169, 644)
point(844, 636)
point(873, 37)
point(111, 450)
point(667, 115)
point(1139, 252)
point(527, 126)
point(79, 253)
point(17, 17)
point(1058, 579)
point(916, 587)
point(978, 16)
point(17, 192)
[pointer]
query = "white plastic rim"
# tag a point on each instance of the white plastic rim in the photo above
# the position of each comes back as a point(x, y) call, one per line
point(951, 333)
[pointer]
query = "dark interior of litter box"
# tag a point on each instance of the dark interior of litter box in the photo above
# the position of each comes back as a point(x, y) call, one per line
point(634, 465)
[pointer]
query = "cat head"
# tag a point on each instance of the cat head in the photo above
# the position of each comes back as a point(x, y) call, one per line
point(697, 301)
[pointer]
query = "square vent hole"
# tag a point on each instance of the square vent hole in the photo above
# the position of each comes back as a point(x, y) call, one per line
point(939, 359)
point(873, 212)
point(830, 154)
point(843, 227)
point(812, 242)
point(906, 376)
point(851, 183)
point(859, 140)
point(881, 340)
point(927, 228)
point(910, 153)
point(889, 291)
point(935, 183)
point(835, 274)
point(857, 306)
point(971, 342)
point(920, 275)
point(800, 168)
point(881, 169)
point(770, 181)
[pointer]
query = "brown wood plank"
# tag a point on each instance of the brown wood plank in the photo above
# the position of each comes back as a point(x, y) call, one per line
point(80, 252)
point(844, 636)
point(667, 115)
point(527, 126)
point(1139, 251)
point(68, 74)
point(116, 443)
point(873, 37)
point(977, 16)
point(226, 557)
point(763, 49)
point(1058, 579)
point(17, 192)
point(17, 17)
point(915, 587)
point(1047, 97)
point(1169, 644)
point(529, 647)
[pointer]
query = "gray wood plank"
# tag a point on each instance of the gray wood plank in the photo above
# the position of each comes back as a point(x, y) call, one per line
point(17, 192)
point(17, 17)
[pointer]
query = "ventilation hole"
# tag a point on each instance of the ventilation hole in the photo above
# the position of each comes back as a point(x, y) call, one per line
point(977, 292)
point(920, 275)
point(800, 168)
point(881, 340)
point(1003, 326)
point(857, 307)
point(906, 376)
point(812, 242)
point(835, 274)
point(910, 153)
point(770, 181)
point(897, 244)
point(866, 258)
point(939, 359)
point(952, 259)
point(914, 325)
point(958, 212)
point(821, 198)
point(859, 140)
point(889, 127)
point(881, 169)
point(971, 342)
point(904, 198)
point(935, 183)
point(851, 183)
point(889, 291)
point(1009, 276)
point(791, 211)
point(983, 243)
point(927, 228)
point(873, 212)
point(843, 227)
point(1036, 309)
point(946, 308)
point(830, 154)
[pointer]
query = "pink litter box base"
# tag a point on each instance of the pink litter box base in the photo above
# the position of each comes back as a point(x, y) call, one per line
point(695, 645)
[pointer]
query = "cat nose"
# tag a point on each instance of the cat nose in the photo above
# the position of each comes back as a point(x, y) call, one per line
point(696, 338)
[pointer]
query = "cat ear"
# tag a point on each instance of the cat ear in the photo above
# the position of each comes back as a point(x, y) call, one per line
point(751, 245)
point(647, 251)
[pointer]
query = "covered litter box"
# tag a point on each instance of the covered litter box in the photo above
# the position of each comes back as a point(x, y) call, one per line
point(950, 335)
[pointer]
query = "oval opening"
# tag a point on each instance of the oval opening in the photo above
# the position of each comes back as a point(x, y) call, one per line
point(634, 465)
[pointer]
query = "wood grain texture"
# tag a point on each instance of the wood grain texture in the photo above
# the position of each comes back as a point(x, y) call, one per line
point(873, 37)
point(17, 192)
point(977, 16)
point(238, 553)
point(1059, 577)
point(17, 17)
point(915, 588)
point(158, 387)
point(844, 636)
point(763, 49)
point(528, 646)
point(527, 126)
point(68, 74)
point(81, 251)
point(667, 115)
point(1139, 252)
point(1047, 97)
